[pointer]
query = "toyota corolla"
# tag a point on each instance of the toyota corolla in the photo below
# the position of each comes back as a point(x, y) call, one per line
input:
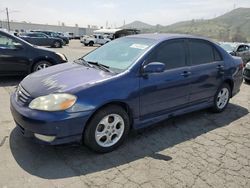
point(129, 83)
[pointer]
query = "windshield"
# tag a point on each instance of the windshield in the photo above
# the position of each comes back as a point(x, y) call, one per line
point(119, 54)
point(227, 47)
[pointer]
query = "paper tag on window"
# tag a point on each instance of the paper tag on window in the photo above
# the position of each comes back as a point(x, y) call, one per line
point(139, 46)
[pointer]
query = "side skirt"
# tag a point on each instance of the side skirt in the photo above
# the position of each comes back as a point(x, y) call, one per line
point(138, 123)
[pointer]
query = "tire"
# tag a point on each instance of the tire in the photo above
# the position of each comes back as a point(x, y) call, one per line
point(85, 44)
point(103, 136)
point(91, 43)
point(57, 44)
point(247, 81)
point(41, 65)
point(221, 98)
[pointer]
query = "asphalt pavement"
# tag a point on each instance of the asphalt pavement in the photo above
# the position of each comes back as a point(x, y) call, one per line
point(201, 149)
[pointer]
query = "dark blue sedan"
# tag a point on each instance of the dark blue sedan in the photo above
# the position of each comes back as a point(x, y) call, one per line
point(129, 83)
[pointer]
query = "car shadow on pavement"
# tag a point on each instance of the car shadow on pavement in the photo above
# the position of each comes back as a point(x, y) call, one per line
point(54, 162)
point(10, 81)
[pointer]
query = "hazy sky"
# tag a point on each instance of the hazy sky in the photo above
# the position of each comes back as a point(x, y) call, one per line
point(97, 12)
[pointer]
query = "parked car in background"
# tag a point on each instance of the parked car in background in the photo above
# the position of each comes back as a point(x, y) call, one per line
point(246, 73)
point(77, 37)
point(240, 50)
point(54, 35)
point(129, 83)
point(95, 39)
point(82, 39)
point(243, 51)
point(18, 57)
point(42, 39)
point(69, 35)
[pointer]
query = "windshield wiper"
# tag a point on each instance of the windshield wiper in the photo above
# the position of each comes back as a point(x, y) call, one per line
point(101, 66)
point(82, 61)
point(90, 64)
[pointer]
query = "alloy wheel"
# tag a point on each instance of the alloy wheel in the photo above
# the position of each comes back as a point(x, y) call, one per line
point(222, 98)
point(42, 66)
point(109, 130)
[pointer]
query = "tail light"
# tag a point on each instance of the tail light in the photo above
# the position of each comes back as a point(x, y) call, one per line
point(241, 65)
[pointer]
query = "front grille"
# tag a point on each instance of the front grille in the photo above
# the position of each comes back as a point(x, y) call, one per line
point(23, 96)
point(246, 72)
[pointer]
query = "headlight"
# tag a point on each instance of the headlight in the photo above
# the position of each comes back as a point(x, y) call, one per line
point(53, 102)
point(62, 56)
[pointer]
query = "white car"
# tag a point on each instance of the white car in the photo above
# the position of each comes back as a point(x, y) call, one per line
point(95, 39)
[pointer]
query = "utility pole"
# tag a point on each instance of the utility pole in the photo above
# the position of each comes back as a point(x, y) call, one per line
point(8, 18)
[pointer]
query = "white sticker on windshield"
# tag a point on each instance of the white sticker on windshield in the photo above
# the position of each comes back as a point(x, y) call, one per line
point(139, 46)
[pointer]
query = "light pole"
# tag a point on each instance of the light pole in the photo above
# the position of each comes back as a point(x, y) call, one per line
point(8, 18)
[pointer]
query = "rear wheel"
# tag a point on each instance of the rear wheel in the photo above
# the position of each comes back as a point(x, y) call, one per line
point(41, 65)
point(107, 129)
point(222, 98)
point(57, 44)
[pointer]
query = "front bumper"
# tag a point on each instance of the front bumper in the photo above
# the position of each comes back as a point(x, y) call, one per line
point(64, 126)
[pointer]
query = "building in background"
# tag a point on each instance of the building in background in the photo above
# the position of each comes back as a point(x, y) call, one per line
point(24, 26)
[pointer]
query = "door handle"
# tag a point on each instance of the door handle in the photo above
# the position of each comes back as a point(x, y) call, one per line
point(220, 67)
point(186, 73)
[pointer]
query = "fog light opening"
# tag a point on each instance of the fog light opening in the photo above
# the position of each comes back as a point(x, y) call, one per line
point(44, 138)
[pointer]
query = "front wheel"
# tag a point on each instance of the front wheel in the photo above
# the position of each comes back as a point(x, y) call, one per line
point(41, 65)
point(222, 98)
point(91, 43)
point(247, 81)
point(107, 129)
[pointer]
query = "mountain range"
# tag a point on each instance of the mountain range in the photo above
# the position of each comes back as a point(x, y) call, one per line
point(232, 26)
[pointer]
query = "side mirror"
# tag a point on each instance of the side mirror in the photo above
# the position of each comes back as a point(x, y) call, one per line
point(154, 67)
point(233, 53)
point(18, 46)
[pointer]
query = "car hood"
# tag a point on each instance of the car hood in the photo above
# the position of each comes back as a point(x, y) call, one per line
point(43, 48)
point(67, 77)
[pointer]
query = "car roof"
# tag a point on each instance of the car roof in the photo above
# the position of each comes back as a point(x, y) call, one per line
point(165, 36)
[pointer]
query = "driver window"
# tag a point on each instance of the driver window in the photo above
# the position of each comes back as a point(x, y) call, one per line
point(6, 43)
point(171, 53)
point(242, 48)
point(41, 35)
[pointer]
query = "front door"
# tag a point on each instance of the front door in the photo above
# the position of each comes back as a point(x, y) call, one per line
point(163, 92)
point(12, 59)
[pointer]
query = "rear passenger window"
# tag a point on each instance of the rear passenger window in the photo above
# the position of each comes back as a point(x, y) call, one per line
point(172, 53)
point(217, 56)
point(202, 52)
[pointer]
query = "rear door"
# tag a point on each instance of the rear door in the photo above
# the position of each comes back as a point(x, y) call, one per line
point(44, 40)
point(207, 70)
point(35, 39)
point(101, 40)
point(163, 92)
